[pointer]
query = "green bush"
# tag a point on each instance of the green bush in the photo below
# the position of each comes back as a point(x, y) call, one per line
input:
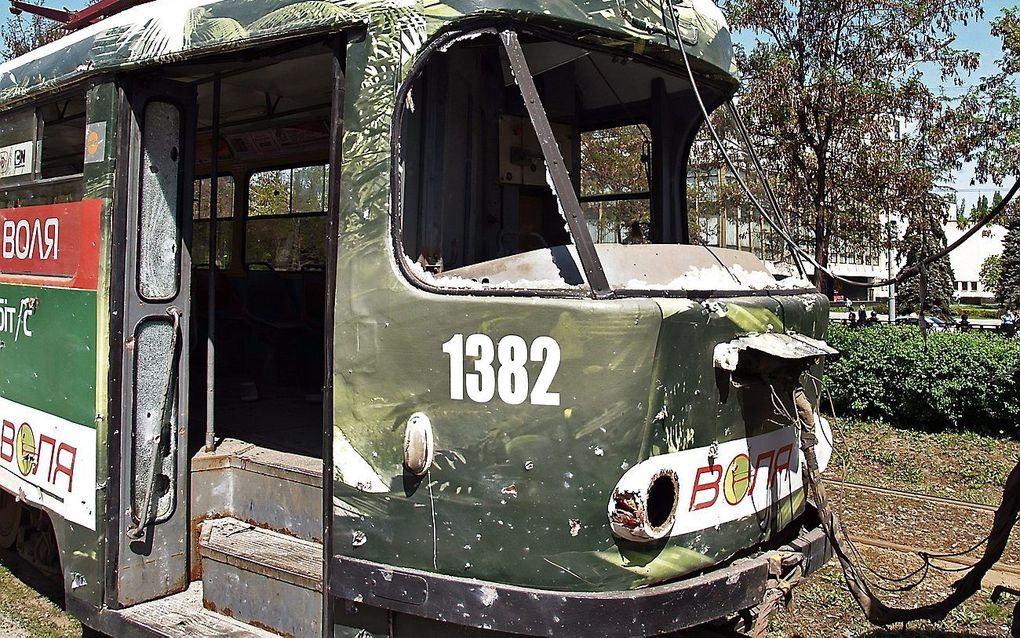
point(978, 312)
point(953, 380)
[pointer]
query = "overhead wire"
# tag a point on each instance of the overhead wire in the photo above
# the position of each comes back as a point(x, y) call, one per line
point(905, 274)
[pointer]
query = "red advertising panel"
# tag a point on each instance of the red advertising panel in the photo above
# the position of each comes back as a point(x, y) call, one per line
point(55, 245)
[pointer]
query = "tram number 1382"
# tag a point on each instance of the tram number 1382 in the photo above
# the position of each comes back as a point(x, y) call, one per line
point(501, 369)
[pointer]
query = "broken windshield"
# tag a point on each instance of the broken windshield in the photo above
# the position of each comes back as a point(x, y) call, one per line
point(564, 168)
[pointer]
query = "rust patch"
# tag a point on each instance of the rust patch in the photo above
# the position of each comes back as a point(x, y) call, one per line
point(628, 510)
point(510, 490)
point(196, 534)
point(264, 627)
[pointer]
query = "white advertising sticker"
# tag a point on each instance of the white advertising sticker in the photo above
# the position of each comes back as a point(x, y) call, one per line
point(16, 160)
point(48, 461)
point(733, 480)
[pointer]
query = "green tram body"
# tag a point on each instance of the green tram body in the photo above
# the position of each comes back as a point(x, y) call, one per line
point(474, 431)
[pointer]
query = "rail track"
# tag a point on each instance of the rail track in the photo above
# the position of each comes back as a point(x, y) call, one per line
point(1002, 574)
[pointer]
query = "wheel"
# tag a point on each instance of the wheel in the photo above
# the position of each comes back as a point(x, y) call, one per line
point(10, 520)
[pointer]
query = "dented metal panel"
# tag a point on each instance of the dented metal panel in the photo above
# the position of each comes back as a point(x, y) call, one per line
point(519, 488)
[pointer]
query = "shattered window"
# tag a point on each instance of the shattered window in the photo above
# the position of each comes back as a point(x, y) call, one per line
point(477, 207)
point(615, 178)
point(62, 126)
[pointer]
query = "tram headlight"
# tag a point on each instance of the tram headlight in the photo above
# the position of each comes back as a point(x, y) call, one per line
point(644, 504)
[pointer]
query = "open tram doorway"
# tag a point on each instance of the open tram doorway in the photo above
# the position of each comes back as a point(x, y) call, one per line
point(264, 187)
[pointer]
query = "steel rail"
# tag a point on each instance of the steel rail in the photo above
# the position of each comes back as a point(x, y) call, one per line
point(911, 495)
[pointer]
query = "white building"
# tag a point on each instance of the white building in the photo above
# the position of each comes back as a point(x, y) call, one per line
point(968, 259)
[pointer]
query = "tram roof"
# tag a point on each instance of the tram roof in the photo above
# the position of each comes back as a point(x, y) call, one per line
point(165, 31)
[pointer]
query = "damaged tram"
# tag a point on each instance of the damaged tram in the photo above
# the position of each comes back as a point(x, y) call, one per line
point(312, 326)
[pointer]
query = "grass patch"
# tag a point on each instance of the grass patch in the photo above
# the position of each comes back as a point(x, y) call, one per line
point(960, 464)
point(32, 612)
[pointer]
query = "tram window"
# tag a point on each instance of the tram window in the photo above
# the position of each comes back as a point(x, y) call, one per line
point(62, 128)
point(477, 209)
point(44, 143)
point(287, 224)
point(224, 223)
point(615, 165)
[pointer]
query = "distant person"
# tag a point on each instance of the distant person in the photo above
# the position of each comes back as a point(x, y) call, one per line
point(849, 305)
point(1009, 324)
point(873, 319)
point(862, 316)
point(852, 321)
point(965, 324)
point(636, 235)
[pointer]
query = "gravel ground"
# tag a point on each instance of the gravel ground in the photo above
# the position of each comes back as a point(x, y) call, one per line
point(10, 628)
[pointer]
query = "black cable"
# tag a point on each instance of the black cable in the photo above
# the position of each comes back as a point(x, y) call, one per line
point(763, 177)
point(905, 274)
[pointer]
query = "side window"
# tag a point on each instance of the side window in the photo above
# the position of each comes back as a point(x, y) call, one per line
point(42, 144)
point(224, 222)
point(287, 222)
point(62, 132)
point(615, 193)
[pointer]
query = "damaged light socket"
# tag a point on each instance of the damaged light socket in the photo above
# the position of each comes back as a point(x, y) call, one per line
point(419, 444)
point(644, 504)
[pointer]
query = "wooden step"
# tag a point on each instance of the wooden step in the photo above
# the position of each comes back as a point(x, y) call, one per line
point(267, 488)
point(262, 577)
point(180, 616)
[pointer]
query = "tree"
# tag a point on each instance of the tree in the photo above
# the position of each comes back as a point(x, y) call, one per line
point(1008, 291)
point(991, 272)
point(25, 32)
point(985, 126)
point(831, 87)
point(924, 238)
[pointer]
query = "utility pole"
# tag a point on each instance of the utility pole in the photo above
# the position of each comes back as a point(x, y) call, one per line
point(890, 229)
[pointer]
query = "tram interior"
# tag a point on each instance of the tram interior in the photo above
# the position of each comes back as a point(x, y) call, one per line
point(271, 243)
point(476, 189)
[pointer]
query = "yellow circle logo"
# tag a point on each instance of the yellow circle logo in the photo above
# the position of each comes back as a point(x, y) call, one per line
point(92, 143)
point(737, 483)
point(24, 448)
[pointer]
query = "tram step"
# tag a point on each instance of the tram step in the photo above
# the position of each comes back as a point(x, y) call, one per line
point(267, 488)
point(180, 616)
point(262, 577)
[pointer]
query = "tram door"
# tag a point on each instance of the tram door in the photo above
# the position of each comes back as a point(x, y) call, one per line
point(155, 190)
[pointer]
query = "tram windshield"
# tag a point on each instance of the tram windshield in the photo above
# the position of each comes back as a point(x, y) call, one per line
point(478, 209)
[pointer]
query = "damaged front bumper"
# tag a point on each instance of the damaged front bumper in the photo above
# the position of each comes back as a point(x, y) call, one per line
point(655, 610)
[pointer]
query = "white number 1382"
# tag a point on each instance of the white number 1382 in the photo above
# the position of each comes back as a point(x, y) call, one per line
point(502, 368)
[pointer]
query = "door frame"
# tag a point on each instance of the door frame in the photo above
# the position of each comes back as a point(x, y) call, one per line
point(135, 93)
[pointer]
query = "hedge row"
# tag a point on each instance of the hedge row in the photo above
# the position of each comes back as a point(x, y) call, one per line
point(967, 379)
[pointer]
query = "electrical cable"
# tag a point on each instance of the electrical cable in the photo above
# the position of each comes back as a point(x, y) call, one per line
point(763, 177)
point(906, 273)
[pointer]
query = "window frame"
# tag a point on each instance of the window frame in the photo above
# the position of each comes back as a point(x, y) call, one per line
point(494, 28)
point(234, 217)
point(80, 89)
point(247, 217)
